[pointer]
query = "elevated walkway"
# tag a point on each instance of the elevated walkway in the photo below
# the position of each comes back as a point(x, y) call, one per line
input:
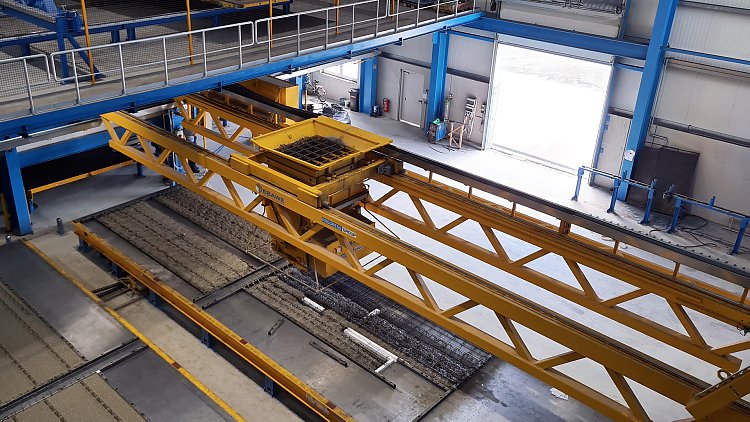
point(39, 93)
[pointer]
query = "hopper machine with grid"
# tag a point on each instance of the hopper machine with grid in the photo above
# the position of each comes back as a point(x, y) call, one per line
point(325, 164)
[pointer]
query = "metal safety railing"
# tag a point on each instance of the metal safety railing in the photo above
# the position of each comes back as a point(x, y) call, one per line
point(30, 76)
point(136, 57)
point(325, 29)
point(89, 74)
point(448, 8)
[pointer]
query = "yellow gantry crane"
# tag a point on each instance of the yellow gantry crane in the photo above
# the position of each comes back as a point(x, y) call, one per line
point(310, 181)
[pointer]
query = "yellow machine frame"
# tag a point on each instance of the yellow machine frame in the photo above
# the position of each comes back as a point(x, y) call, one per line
point(621, 362)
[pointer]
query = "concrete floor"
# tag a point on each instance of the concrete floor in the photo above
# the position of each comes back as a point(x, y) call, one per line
point(236, 389)
point(90, 195)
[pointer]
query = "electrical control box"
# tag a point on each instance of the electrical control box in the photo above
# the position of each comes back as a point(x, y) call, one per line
point(471, 106)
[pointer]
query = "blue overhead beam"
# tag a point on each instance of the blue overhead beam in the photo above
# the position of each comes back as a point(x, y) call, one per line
point(32, 19)
point(626, 66)
point(438, 75)
point(596, 43)
point(472, 36)
point(61, 149)
point(60, 117)
point(648, 89)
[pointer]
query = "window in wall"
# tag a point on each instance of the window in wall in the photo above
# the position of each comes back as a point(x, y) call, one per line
point(546, 106)
point(348, 71)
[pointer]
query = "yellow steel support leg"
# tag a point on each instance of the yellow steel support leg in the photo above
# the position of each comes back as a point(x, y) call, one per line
point(85, 17)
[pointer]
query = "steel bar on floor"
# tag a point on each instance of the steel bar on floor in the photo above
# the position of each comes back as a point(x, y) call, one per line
point(57, 384)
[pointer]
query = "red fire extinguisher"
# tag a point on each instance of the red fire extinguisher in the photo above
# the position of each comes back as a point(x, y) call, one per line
point(386, 105)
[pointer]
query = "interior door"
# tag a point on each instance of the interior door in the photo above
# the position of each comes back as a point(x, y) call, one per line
point(410, 101)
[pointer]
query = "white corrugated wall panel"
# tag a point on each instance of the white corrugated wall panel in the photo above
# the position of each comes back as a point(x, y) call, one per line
point(641, 18)
point(470, 55)
point(625, 90)
point(714, 32)
point(743, 4)
point(419, 48)
point(705, 100)
point(564, 18)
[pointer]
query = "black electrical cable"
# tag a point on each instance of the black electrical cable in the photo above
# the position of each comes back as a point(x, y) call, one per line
point(688, 230)
point(364, 206)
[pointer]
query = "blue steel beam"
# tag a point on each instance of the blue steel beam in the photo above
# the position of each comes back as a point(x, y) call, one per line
point(368, 83)
point(301, 86)
point(626, 66)
point(438, 75)
point(649, 87)
point(15, 194)
point(48, 24)
point(596, 43)
point(61, 117)
point(472, 36)
point(61, 149)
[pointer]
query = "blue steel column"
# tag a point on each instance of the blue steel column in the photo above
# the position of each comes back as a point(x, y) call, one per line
point(368, 84)
point(300, 80)
point(438, 73)
point(15, 194)
point(61, 29)
point(647, 91)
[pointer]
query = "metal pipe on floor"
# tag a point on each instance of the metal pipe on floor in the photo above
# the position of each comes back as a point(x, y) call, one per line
point(276, 327)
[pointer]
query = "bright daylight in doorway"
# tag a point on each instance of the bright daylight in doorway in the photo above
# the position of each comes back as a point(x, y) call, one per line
point(546, 105)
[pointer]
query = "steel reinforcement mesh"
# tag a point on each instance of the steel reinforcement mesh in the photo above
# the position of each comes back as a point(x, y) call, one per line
point(447, 355)
point(317, 150)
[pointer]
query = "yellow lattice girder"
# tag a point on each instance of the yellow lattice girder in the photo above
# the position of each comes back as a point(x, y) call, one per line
point(619, 359)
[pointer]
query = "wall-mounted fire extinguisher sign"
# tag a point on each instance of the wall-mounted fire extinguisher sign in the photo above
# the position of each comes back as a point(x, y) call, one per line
point(386, 105)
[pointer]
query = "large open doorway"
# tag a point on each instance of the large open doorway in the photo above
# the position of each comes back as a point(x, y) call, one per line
point(546, 106)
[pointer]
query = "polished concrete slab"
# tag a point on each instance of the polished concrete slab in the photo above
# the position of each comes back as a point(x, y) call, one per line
point(156, 389)
point(88, 328)
point(237, 390)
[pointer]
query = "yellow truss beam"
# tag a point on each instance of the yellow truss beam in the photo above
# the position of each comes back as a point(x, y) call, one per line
point(575, 253)
point(585, 342)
